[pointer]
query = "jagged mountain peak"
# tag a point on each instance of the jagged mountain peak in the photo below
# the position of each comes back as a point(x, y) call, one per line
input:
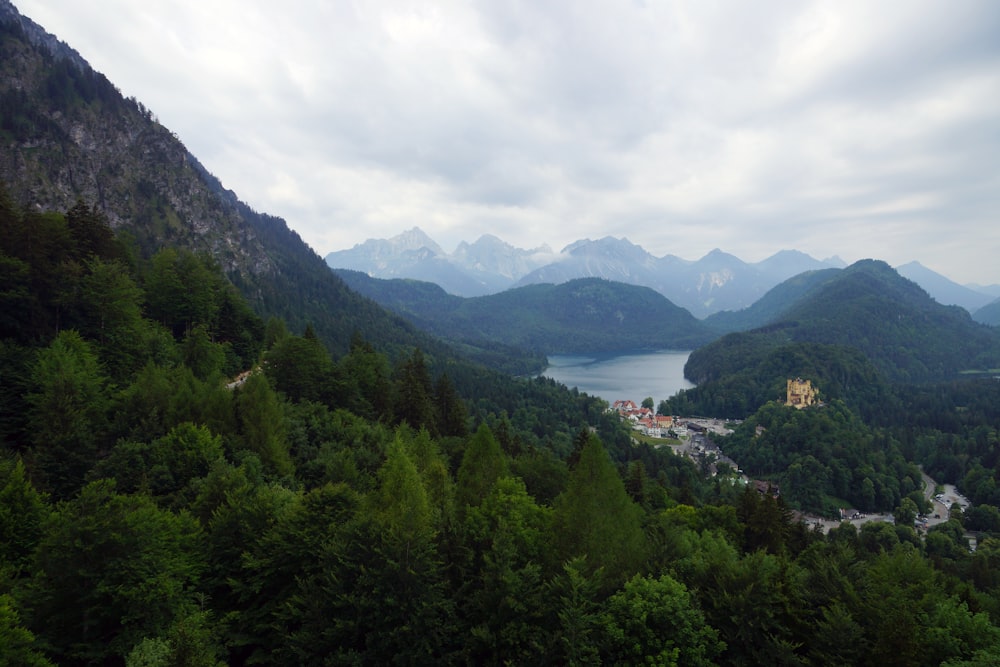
point(387, 256)
point(717, 281)
point(415, 239)
point(603, 242)
point(489, 241)
point(717, 255)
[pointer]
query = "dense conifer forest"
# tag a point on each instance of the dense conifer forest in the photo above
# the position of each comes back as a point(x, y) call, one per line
point(212, 452)
point(183, 482)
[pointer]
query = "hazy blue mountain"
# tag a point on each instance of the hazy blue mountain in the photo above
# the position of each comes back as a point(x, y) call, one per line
point(608, 258)
point(490, 255)
point(942, 289)
point(485, 267)
point(787, 263)
point(718, 281)
point(993, 291)
point(383, 254)
point(988, 314)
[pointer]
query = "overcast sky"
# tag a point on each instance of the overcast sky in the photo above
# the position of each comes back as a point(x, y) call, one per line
point(854, 128)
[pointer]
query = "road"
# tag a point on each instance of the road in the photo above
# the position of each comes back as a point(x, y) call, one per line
point(698, 444)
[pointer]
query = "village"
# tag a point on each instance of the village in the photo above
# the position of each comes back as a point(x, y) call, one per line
point(692, 437)
point(799, 394)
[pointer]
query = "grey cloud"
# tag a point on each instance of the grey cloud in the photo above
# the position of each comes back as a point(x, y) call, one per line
point(848, 127)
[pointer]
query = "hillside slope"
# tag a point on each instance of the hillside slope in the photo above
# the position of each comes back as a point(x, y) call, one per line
point(870, 308)
point(67, 134)
point(989, 314)
point(770, 306)
point(582, 315)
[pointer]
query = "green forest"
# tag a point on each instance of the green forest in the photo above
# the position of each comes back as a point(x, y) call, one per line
point(585, 315)
point(185, 483)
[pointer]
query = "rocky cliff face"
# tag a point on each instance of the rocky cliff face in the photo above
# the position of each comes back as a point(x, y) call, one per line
point(67, 134)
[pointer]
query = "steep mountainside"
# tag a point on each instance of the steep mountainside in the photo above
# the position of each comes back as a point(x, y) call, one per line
point(869, 307)
point(770, 306)
point(582, 315)
point(67, 134)
point(989, 314)
point(942, 289)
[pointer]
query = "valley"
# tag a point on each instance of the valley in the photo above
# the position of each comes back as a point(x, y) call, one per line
point(215, 449)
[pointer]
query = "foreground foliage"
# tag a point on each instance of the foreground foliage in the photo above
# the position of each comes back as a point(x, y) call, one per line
point(350, 510)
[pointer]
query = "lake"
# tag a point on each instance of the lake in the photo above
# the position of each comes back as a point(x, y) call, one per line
point(626, 376)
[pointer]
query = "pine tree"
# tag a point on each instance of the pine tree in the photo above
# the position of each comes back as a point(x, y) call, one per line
point(414, 404)
point(595, 518)
point(483, 463)
point(68, 412)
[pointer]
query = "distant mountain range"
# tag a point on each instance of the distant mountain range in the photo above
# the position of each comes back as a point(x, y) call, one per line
point(820, 319)
point(68, 134)
point(716, 282)
point(485, 267)
point(945, 291)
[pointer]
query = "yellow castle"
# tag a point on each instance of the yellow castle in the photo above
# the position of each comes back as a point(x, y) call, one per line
point(800, 393)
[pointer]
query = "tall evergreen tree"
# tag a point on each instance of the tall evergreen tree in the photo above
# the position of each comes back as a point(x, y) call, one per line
point(414, 403)
point(91, 233)
point(67, 413)
point(596, 519)
point(451, 412)
point(111, 316)
point(23, 511)
point(262, 425)
point(483, 463)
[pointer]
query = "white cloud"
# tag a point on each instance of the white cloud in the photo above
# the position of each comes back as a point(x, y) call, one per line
point(836, 127)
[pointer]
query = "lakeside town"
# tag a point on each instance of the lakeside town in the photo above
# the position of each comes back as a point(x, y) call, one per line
point(693, 437)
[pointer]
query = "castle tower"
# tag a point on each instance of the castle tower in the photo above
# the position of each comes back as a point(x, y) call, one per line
point(800, 393)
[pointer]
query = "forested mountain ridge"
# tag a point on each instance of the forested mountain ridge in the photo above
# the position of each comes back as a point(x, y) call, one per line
point(68, 134)
point(584, 315)
point(905, 334)
point(354, 508)
point(772, 305)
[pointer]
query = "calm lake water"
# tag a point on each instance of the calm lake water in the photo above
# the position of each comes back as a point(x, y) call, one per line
point(628, 376)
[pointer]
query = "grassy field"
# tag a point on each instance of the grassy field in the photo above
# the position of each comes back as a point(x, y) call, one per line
point(656, 442)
